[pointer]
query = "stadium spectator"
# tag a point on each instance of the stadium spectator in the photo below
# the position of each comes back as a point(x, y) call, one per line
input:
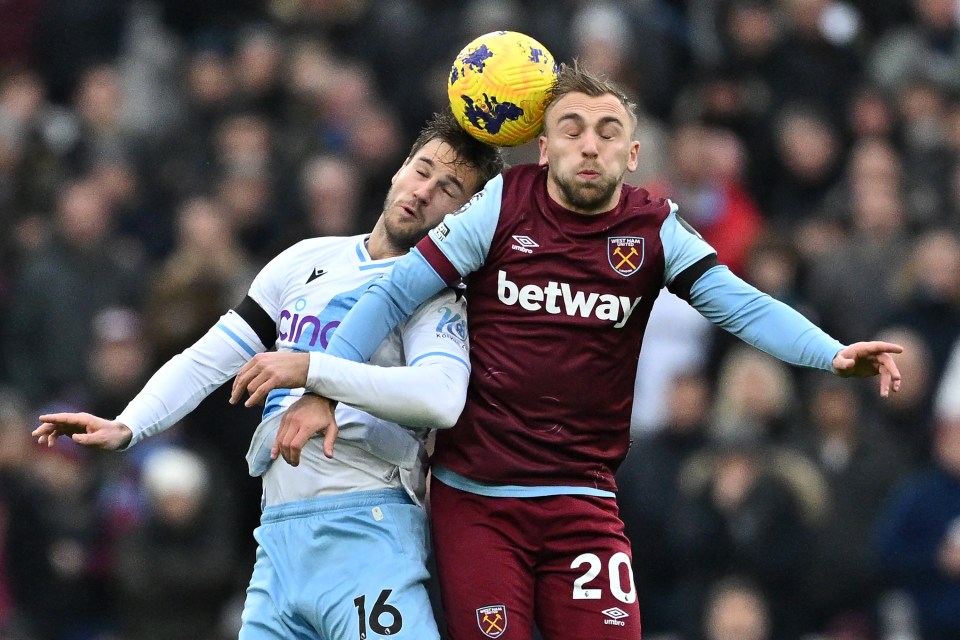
point(908, 421)
point(918, 531)
point(860, 464)
point(61, 545)
point(54, 295)
point(807, 163)
point(871, 251)
point(174, 568)
point(928, 292)
point(755, 396)
point(738, 512)
point(924, 48)
point(650, 489)
point(736, 609)
point(704, 171)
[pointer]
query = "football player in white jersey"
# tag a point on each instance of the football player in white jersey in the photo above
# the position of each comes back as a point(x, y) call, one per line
point(342, 544)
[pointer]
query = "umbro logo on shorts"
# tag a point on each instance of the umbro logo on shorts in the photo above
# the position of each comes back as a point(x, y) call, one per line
point(614, 615)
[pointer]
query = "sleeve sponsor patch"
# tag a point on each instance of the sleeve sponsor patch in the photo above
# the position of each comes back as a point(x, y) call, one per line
point(440, 232)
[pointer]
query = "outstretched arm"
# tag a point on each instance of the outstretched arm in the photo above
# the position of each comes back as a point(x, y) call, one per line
point(171, 393)
point(778, 329)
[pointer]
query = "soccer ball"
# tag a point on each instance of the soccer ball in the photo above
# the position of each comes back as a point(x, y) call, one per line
point(499, 87)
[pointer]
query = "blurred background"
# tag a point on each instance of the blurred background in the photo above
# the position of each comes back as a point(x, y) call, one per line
point(154, 154)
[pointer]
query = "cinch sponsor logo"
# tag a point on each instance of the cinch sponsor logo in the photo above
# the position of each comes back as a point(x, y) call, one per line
point(293, 326)
point(558, 297)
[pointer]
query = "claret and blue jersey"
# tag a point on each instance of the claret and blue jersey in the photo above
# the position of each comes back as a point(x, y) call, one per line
point(558, 307)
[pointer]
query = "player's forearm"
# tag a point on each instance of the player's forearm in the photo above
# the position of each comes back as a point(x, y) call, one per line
point(383, 306)
point(762, 321)
point(186, 379)
point(431, 395)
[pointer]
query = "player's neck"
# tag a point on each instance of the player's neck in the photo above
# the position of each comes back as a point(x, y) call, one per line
point(379, 246)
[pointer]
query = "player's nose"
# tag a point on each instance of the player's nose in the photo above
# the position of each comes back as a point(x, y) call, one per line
point(424, 191)
point(588, 143)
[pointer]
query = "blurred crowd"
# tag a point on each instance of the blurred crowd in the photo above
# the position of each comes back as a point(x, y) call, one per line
point(154, 154)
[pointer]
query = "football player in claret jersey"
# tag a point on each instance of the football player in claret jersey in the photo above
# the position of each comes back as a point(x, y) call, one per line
point(342, 545)
point(563, 262)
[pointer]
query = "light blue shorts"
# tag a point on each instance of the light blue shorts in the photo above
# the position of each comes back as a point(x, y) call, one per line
point(341, 568)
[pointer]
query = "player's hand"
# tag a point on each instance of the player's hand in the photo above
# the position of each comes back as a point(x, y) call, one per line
point(865, 359)
point(305, 418)
point(268, 371)
point(83, 428)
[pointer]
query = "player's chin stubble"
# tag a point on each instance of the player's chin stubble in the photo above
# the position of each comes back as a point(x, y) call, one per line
point(400, 235)
point(585, 197)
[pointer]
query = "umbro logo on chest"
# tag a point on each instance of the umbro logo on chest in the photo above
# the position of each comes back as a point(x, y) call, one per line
point(317, 272)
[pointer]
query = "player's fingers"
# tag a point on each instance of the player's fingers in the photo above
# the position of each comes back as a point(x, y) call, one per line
point(329, 438)
point(73, 419)
point(258, 389)
point(94, 440)
point(842, 364)
point(241, 381)
point(278, 449)
point(299, 441)
point(45, 433)
point(885, 382)
point(287, 453)
point(885, 347)
point(50, 435)
point(236, 391)
point(288, 447)
point(889, 374)
point(44, 429)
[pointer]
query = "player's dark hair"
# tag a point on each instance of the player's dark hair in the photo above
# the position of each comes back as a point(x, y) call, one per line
point(486, 159)
point(573, 78)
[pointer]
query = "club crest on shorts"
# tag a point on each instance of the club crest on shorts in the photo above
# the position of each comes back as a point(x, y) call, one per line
point(492, 620)
point(625, 254)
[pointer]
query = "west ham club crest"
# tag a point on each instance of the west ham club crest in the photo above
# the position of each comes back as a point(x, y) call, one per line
point(625, 254)
point(492, 620)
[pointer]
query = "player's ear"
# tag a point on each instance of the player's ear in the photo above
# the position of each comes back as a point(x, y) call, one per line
point(633, 160)
point(542, 144)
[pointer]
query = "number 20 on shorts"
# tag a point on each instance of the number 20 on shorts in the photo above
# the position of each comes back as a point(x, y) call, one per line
point(594, 567)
